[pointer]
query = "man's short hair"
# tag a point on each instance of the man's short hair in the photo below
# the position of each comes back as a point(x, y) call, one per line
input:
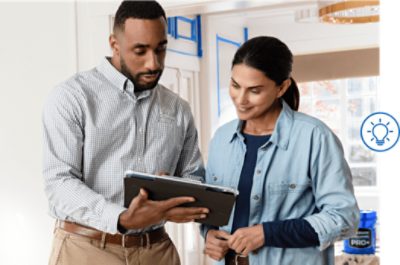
point(137, 9)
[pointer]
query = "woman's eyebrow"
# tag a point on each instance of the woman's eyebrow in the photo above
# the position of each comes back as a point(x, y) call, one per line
point(251, 87)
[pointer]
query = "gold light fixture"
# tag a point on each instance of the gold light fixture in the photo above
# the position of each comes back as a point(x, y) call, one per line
point(349, 12)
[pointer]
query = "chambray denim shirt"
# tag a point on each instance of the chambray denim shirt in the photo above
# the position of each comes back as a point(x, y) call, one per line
point(300, 172)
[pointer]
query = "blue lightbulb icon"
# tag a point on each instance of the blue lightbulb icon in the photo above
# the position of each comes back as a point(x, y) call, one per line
point(379, 132)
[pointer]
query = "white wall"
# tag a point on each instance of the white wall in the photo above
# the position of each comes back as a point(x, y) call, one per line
point(37, 51)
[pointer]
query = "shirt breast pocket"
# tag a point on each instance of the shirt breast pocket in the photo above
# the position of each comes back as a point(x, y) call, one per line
point(287, 188)
point(169, 139)
point(288, 200)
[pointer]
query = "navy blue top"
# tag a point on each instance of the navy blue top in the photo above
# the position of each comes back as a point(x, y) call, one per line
point(294, 233)
point(242, 208)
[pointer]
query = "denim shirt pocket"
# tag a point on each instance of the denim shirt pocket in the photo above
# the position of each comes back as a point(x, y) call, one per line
point(287, 187)
point(288, 200)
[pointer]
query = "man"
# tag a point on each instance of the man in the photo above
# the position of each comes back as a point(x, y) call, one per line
point(102, 122)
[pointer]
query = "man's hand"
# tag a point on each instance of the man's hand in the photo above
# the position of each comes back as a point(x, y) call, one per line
point(247, 239)
point(216, 244)
point(143, 212)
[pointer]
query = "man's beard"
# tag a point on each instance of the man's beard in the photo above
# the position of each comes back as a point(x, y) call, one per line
point(135, 78)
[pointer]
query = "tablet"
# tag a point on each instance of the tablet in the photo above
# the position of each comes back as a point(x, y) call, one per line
point(218, 199)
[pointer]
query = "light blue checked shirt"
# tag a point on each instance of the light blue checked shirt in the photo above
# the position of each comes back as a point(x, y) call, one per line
point(96, 128)
point(300, 173)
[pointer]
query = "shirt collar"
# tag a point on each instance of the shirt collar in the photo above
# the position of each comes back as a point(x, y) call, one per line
point(112, 74)
point(283, 127)
point(237, 131)
point(118, 79)
point(281, 133)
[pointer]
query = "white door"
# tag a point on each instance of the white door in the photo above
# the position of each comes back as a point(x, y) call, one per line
point(185, 83)
point(170, 79)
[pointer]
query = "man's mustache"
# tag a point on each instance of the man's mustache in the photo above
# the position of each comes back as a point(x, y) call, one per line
point(154, 72)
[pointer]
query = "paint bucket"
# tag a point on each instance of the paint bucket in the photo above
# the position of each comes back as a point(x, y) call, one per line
point(364, 242)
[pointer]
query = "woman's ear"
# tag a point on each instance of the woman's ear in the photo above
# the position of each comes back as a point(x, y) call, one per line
point(284, 87)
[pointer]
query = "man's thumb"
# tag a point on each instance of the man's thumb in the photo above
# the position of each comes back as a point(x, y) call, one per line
point(139, 199)
point(143, 195)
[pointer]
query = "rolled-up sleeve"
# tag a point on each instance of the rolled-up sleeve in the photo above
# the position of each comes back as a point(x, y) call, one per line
point(338, 213)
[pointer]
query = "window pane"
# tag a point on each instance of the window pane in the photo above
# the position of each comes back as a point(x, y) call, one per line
point(353, 129)
point(305, 105)
point(326, 88)
point(359, 153)
point(360, 107)
point(361, 86)
point(305, 89)
point(364, 176)
point(329, 112)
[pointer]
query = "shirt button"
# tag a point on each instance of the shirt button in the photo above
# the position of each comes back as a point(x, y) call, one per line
point(256, 197)
point(258, 171)
point(292, 186)
point(215, 178)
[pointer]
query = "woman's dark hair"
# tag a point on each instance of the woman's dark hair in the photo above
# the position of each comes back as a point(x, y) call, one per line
point(272, 57)
point(137, 9)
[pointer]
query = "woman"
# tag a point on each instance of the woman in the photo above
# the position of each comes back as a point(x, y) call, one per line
point(295, 192)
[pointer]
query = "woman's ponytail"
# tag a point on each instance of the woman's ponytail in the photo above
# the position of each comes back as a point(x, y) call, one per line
point(292, 95)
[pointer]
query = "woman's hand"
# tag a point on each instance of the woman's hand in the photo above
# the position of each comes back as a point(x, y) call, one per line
point(216, 244)
point(247, 239)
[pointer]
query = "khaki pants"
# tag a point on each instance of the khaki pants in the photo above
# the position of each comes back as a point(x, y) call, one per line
point(71, 249)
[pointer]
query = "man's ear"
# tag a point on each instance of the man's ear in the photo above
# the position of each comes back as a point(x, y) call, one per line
point(114, 44)
point(284, 87)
